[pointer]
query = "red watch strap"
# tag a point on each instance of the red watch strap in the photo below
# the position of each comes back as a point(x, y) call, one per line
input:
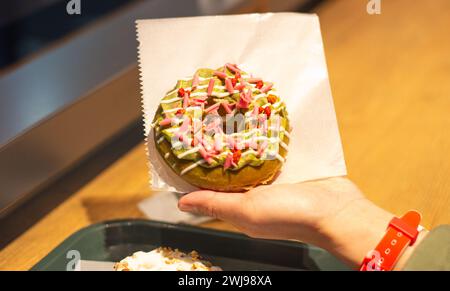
point(401, 233)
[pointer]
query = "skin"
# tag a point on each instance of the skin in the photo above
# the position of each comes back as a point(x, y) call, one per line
point(331, 213)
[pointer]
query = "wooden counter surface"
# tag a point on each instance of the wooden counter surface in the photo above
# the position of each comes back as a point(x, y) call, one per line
point(390, 76)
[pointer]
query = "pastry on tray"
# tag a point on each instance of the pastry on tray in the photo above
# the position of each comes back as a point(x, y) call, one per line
point(164, 259)
point(223, 129)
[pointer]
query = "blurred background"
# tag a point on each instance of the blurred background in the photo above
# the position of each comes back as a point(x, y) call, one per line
point(71, 142)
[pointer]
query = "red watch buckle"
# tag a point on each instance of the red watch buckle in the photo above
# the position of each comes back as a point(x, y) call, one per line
point(406, 228)
point(401, 233)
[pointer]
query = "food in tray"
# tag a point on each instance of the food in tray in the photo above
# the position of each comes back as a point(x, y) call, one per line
point(164, 259)
point(223, 129)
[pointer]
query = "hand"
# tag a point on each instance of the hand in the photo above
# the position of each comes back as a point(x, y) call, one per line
point(331, 213)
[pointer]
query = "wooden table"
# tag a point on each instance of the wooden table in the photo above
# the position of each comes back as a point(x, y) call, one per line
point(390, 76)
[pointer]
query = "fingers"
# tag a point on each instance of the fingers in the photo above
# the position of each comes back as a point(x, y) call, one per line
point(220, 205)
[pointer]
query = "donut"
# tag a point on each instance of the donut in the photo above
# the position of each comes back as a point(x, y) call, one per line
point(164, 259)
point(223, 129)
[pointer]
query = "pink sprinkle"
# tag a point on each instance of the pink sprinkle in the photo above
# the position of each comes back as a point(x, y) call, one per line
point(179, 136)
point(262, 148)
point(186, 123)
point(230, 141)
point(210, 86)
point(185, 100)
point(165, 122)
point(218, 142)
point(266, 88)
point(253, 144)
point(228, 161)
point(248, 95)
point(226, 107)
point(229, 85)
point(219, 74)
point(195, 81)
point(239, 87)
point(244, 95)
point(254, 80)
point(212, 107)
point(255, 110)
point(233, 68)
point(242, 102)
point(205, 155)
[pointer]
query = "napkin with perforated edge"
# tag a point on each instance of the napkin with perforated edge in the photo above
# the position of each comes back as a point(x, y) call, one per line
point(283, 48)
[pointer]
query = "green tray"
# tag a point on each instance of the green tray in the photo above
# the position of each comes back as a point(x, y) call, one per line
point(113, 240)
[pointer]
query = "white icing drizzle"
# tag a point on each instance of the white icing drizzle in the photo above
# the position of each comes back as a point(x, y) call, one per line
point(167, 101)
point(188, 152)
point(286, 133)
point(283, 145)
point(190, 167)
point(160, 139)
point(280, 158)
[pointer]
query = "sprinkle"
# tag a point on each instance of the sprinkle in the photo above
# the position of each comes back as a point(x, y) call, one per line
point(239, 87)
point(218, 142)
point(260, 110)
point(236, 156)
point(210, 86)
point(248, 95)
point(186, 100)
point(267, 111)
point(219, 74)
point(242, 102)
point(186, 123)
point(165, 122)
point(267, 87)
point(212, 107)
point(228, 161)
point(234, 82)
point(254, 80)
point(259, 84)
point(205, 155)
point(181, 92)
point(180, 111)
point(229, 85)
point(195, 81)
point(233, 68)
point(226, 107)
point(272, 99)
point(230, 141)
point(262, 147)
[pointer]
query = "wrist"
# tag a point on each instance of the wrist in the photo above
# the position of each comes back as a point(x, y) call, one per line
point(355, 230)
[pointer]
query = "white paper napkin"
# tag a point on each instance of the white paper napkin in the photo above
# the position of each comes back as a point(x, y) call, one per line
point(162, 206)
point(283, 48)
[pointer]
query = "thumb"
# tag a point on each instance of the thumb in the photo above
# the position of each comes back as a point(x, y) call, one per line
point(221, 205)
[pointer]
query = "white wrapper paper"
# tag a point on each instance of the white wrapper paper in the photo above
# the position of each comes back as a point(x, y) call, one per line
point(283, 48)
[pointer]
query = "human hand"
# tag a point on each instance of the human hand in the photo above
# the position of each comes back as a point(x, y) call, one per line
point(330, 213)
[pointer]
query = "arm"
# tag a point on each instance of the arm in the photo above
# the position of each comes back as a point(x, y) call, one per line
point(332, 214)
